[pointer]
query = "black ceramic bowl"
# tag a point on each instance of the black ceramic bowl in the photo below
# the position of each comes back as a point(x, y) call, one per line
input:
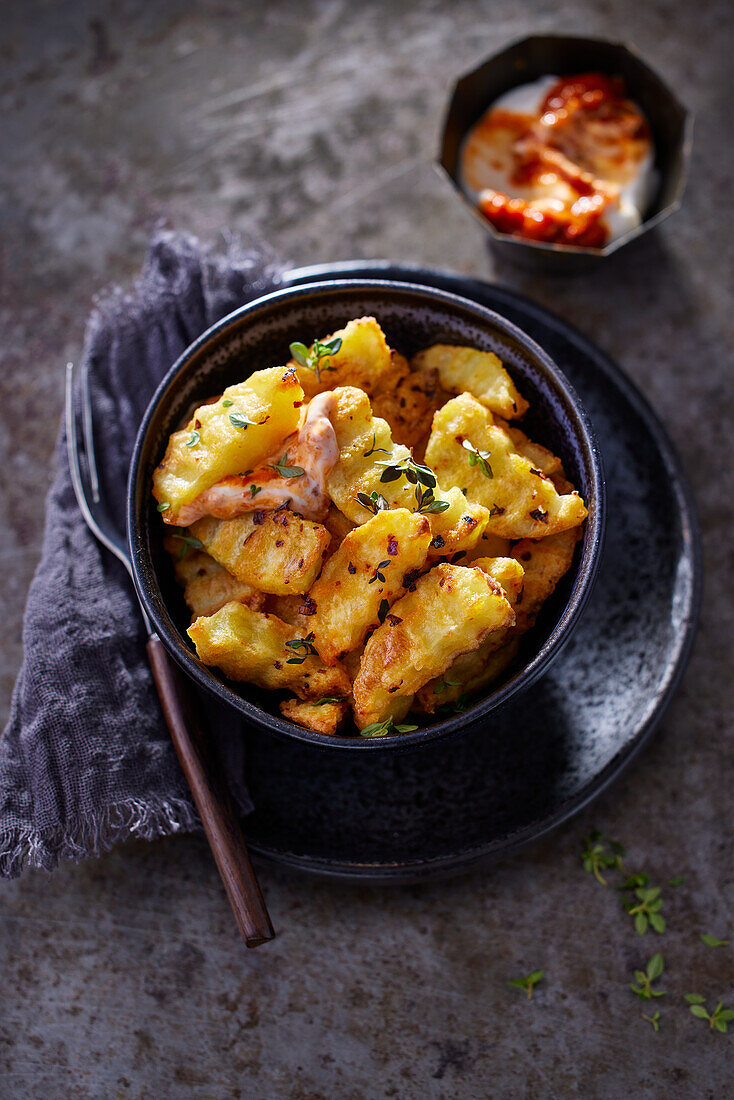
point(413, 317)
point(542, 55)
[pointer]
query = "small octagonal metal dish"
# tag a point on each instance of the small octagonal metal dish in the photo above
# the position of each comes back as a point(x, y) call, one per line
point(540, 55)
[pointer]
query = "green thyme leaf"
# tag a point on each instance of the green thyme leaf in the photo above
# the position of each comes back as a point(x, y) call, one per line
point(164, 506)
point(478, 458)
point(654, 1020)
point(195, 438)
point(254, 490)
point(285, 470)
point(712, 941)
point(189, 543)
point(528, 983)
point(241, 421)
point(382, 729)
point(227, 403)
point(374, 449)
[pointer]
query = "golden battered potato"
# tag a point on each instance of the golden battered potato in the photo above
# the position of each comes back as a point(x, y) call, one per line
point(467, 448)
point(449, 611)
point(468, 672)
point(362, 360)
point(365, 448)
point(208, 585)
point(545, 561)
point(213, 445)
point(263, 650)
point(297, 611)
point(337, 524)
point(274, 551)
point(321, 717)
point(408, 405)
point(488, 546)
point(540, 457)
point(365, 576)
point(480, 373)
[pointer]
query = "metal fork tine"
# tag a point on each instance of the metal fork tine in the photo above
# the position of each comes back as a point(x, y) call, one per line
point(89, 433)
point(98, 523)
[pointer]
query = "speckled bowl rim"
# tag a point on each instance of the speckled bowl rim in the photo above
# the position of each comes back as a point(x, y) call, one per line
point(149, 591)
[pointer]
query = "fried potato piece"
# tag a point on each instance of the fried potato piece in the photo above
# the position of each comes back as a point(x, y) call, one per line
point(480, 373)
point(408, 406)
point(522, 502)
point(275, 551)
point(362, 360)
point(545, 561)
point(271, 399)
point(337, 524)
point(469, 671)
point(208, 585)
point(249, 645)
point(297, 611)
point(449, 611)
point(364, 575)
point(319, 717)
point(365, 441)
point(457, 529)
point(540, 457)
point(488, 546)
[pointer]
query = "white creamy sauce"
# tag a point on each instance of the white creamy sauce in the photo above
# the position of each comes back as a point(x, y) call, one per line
point(313, 448)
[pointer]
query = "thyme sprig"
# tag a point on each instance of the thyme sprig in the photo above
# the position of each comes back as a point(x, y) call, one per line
point(281, 467)
point(374, 503)
point(374, 449)
point(312, 360)
point(596, 858)
point(646, 977)
point(646, 910)
point(301, 644)
point(718, 1019)
point(413, 472)
point(528, 983)
point(478, 458)
point(654, 1020)
point(189, 543)
point(427, 503)
point(378, 575)
point(382, 729)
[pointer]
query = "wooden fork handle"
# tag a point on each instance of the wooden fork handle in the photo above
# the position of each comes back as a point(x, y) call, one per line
point(211, 797)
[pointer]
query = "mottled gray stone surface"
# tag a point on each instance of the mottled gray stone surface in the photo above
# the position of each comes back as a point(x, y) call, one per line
point(312, 125)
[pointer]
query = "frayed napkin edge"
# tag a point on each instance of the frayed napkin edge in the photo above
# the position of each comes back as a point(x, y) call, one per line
point(92, 835)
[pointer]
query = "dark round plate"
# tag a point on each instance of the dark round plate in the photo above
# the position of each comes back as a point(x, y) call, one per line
point(446, 806)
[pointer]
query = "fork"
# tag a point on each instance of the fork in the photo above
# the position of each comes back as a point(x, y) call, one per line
point(195, 755)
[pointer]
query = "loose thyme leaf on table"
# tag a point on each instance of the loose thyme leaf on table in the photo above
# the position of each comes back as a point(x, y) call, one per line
point(644, 978)
point(646, 910)
point(713, 941)
point(595, 858)
point(718, 1019)
point(528, 983)
point(654, 1020)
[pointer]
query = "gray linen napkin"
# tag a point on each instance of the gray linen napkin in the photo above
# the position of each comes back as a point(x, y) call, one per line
point(85, 759)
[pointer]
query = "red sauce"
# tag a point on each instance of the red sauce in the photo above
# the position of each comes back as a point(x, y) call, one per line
point(586, 134)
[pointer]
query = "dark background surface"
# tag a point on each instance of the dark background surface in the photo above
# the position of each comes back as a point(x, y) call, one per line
point(312, 126)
